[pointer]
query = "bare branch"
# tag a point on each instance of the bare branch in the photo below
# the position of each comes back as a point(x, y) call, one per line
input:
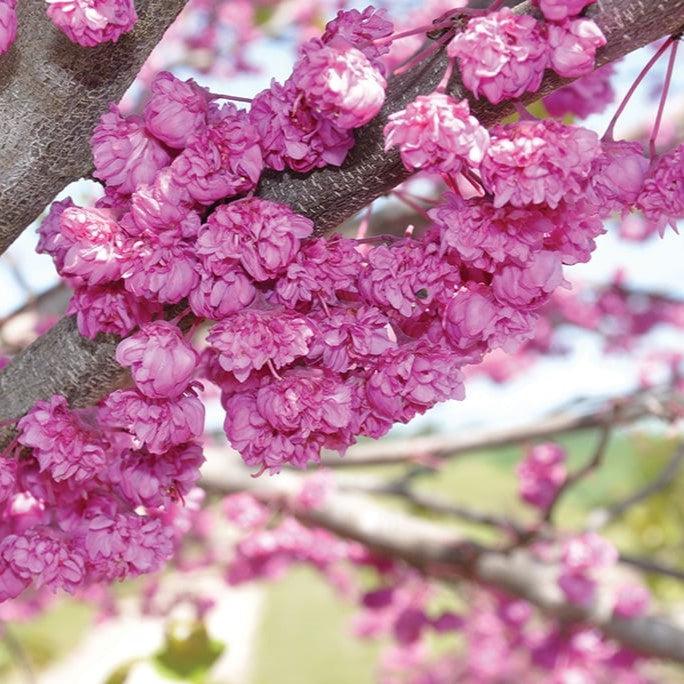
point(587, 469)
point(51, 94)
point(428, 502)
point(328, 196)
point(387, 452)
point(605, 516)
point(444, 554)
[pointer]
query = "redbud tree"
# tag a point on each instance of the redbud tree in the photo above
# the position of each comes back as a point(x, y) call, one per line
point(247, 253)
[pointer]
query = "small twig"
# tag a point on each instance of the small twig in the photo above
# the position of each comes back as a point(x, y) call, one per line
point(428, 502)
point(586, 470)
point(604, 516)
point(18, 654)
point(652, 566)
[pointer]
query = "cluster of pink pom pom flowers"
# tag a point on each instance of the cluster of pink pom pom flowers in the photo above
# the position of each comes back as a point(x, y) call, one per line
point(314, 340)
point(84, 22)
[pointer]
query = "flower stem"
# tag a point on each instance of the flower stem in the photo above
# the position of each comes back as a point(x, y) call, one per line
point(608, 135)
point(663, 99)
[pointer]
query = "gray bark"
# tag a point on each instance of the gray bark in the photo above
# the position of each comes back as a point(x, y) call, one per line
point(52, 93)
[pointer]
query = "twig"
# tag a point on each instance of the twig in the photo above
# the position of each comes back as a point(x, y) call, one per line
point(605, 516)
point(428, 502)
point(652, 567)
point(634, 406)
point(583, 472)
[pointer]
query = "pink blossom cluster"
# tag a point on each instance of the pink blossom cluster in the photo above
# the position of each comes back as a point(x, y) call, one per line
point(503, 55)
point(91, 22)
point(581, 557)
point(268, 552)
point(86, 503)
point(541, 474)
point(337, 85)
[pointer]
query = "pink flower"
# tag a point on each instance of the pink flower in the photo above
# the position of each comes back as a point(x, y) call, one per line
point(541, 474)
point(558, 10)
point(96, 245)
point(40, 557)
point(8, 24)
point(163, 208)
point(352, 28)
point(348, 338)
point(162, 363)
point(91, 22)
point(50, 240)
point(528, 287)
point(573, 45)
point(617, 176)
point(291, 420)
point(474, 322)
point(412, 379)
point(218, 296)
point(245, 511)
point(126, 545)
point(339, 83)
point(631, 600)
point(155, 424)
point(470, 318)
point(484, 236)
point(536, 162)
point(124, 153)
point(435, 132)
point(154, 481)
point(323, 268)
point(574, 231)
point(502, 55)
point(581, 557)
point(314, 491)
point(662, 197)
point(590, 94)
point(164, 272)
point(222, 160)
point(407, 277)
point(263, 236)
point(176, 109)
point(61, 442)
point(291, 135)
point(250, 339)
point(109, 309)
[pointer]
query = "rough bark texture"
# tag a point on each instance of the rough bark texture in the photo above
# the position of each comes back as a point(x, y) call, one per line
point(51, 94)
point(442, 553)
point(83, 372)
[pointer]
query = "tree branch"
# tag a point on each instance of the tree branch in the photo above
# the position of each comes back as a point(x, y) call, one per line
point(52, 93)
point(441, 553)
point(328, 196)
point(389, 452)
point(604, 516)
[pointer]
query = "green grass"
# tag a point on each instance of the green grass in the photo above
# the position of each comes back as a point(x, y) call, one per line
point(306, 638)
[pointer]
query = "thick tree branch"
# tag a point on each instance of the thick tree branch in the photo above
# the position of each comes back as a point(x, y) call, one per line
point(444, 554)
point(329, 196)
point(51, 94)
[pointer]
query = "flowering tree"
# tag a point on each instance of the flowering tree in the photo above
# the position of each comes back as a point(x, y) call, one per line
point(237, 252)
